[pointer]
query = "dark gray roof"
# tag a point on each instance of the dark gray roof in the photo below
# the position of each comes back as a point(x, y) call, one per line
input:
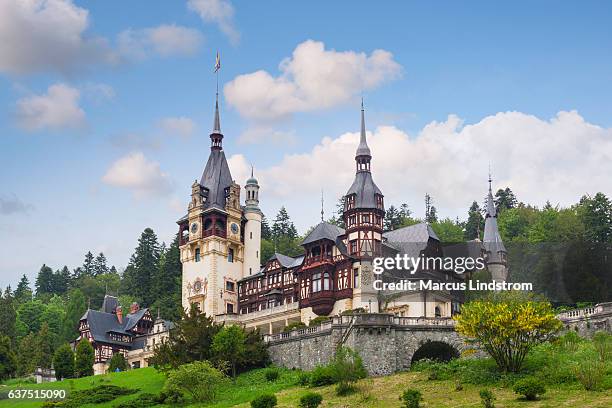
point(363, 149)
point(491, 240)
point(410, 240)
point(109, 304)
point(323, 230)
point(102, 323)
point(365, 190)
point(216, 178)
point(283, 260)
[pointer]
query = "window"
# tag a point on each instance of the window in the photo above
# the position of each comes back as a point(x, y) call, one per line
point(257, 254)
point(230, 308)
point(197, 255)
point(251, 234)
point(316, 282)
point(250, 271)
point(353, 247)
point(326, 281)
point(230, 255)
point(438, 312)
point(366, 218)
point(229, 286)
point(356, 277)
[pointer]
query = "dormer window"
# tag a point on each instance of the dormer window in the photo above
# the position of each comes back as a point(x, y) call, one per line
point(379, 202)
point(350, 202)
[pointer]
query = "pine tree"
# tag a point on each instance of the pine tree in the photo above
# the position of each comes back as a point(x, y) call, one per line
point(338, 217)
point(596, 215)
point(44, 281)
point(29, 317)
point(143, 267)
point(8, 315)
point(45, 347)
point(393, 219)
point(84, 359)
point(27, 355)
point(505, 199)
point(266, 232)
point(63, 362)
point(88, 264)
point(8, 359)
point(61, 281)
point(431, 214)
point(167, 284)
point(23, 293)
point(75, 309)
point(283, 227)
point(99, 265)
point(475, 222)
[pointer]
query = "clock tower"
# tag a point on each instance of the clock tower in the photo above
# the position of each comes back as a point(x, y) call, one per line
point(212, 236)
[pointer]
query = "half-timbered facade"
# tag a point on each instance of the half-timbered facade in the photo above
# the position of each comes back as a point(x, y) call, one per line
point(224, 277)
point(110, 331)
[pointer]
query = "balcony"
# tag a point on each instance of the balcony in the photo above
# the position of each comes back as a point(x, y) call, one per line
point(262, 314)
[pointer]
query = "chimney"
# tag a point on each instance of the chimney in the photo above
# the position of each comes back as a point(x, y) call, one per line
point(134, 308)
point(119, 313)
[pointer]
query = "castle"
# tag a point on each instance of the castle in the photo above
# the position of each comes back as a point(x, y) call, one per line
point(225, 277)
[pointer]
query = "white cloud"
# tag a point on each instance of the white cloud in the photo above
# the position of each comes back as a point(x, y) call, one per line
point(13, 205)
point(180, 126)
point(164, 40)
point(40, 35)
point(57, 109)
point(559, 159)
point(220, 12)
point(139, 175)
point(312, 78)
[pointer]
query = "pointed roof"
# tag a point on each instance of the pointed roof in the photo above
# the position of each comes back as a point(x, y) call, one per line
point(491, 240)
point(323, 230)
point(109, 304)
point(363, 149)
point(217, 122)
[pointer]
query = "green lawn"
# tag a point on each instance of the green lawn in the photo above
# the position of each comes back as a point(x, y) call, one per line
point(383, 391)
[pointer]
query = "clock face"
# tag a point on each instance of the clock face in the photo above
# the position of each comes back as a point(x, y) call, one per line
point(194, 227)
point(234, 228)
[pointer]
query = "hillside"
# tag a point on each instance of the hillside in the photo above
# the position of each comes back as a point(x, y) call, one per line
point(383, 391)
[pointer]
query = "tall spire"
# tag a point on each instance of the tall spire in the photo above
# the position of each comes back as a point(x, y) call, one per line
point(491, 212)
point(363, 154)
point(216, 137)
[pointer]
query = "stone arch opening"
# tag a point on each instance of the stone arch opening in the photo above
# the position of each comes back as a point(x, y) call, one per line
point(435, 350)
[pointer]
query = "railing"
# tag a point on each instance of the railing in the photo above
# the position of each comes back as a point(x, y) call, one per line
point(599, 308)
point(287, 307)
point(364, 320)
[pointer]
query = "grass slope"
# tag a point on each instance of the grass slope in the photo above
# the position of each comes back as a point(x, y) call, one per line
point(383, 391)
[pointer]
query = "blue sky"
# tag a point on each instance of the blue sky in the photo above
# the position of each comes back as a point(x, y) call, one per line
point(106, 115)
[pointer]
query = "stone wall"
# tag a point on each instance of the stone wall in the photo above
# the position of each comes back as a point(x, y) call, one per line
point(386, 343)
point(588, 320)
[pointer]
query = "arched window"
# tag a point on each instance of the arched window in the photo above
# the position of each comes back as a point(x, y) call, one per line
point(197, 255)
point(438, 311)
point(316, 282)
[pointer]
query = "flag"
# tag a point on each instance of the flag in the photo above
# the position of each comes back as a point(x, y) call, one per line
point(218, 62)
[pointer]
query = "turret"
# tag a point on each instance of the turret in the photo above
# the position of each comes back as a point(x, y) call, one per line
point(252, 228)
point(494, 250)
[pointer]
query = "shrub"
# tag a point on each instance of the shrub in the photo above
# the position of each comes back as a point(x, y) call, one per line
point(590, 374)
point(487, 398)
point(84, 359)
point(294, 325)
point(530, 388)
point(347, 369)
point(63, 362)
point(272, 374)
point(322, 375)
point(303, 379)
point(411, 398)
point(264, 401)
point(602, 342)
point(118, 363)
point(311, 400)
point(199, 379)
point(508, 318)
point(143, 400)
point(344, 388)
point(171, 395)
point(318, 320)
point(570, 341)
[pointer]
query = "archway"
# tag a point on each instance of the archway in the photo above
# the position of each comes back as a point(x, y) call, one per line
point(435, 350)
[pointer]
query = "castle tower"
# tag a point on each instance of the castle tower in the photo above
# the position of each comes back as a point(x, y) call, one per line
point(252, 228)
point(211, 235)
point(494, 250)
point(363, 215)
